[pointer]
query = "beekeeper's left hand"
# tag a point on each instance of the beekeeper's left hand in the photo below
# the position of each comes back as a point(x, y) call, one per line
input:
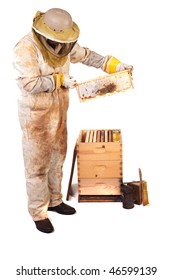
point(123, 66)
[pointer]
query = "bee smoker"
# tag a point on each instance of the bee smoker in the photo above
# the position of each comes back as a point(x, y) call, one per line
point(127, 196)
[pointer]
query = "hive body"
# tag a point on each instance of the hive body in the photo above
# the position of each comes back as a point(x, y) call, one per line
point(99, 162)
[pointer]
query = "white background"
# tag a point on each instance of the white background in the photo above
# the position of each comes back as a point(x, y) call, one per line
point(100, 235)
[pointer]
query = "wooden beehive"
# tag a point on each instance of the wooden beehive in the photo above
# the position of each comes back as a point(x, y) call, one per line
point(99, 163)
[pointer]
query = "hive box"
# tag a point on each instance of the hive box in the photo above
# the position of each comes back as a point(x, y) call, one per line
point(99, 165)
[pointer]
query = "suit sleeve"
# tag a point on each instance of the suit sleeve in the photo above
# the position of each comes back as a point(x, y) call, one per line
point(90, 58)
point(27, 71)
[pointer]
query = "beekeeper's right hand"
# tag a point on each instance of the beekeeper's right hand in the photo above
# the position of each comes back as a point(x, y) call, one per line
point(64, 80)
point(68, 81)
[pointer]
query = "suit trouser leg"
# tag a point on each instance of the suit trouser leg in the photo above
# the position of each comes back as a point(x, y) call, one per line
point(56, 166)
point(44, 150)
point(37, 144)
point(37, 151)
point(59, 151)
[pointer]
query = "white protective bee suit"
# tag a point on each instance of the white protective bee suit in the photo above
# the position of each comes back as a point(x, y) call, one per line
point(44, 84)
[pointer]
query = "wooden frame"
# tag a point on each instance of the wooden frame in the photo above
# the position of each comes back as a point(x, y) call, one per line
point(104, 85)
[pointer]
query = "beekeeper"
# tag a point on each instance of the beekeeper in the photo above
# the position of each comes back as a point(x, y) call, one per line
point(42, 59)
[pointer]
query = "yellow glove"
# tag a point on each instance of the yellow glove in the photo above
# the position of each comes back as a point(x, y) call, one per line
point(58, 80)
point(113, 65)
point(63, 80)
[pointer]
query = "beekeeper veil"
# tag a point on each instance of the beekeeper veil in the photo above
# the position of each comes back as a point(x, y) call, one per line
point(56, 30)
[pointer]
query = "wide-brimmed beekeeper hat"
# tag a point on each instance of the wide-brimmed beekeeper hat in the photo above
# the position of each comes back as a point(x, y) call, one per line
point(56, 25)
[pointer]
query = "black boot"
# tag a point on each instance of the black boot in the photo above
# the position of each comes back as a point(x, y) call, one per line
point(44, 225)
point(63, 209)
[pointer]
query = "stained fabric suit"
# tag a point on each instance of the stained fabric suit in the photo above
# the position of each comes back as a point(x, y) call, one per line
point(43, 116)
